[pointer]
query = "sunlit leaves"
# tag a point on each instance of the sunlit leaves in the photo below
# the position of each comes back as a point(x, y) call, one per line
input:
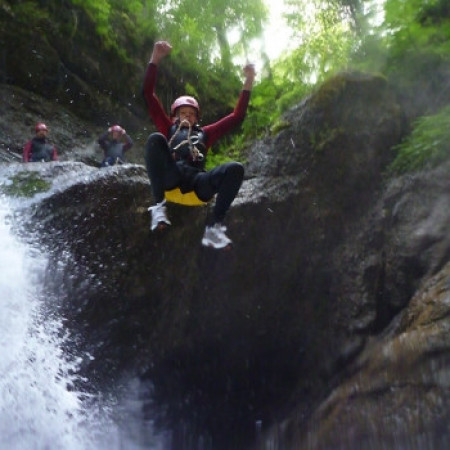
point(326, 39)
point(418, 22)
point(200, 27)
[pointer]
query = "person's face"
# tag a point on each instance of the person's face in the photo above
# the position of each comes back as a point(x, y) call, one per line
point(187, 113)
point(116, 135)
point(42, 133)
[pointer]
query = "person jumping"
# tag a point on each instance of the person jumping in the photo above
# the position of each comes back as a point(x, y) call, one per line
point(175, 155)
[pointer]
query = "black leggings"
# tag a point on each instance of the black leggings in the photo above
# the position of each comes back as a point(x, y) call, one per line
point(164, 174)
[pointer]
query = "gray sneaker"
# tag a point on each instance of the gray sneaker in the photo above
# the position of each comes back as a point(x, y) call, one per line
point(159, 216)
point(215, 237)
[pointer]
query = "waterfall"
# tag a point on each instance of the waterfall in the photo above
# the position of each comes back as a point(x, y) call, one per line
point(40, 408)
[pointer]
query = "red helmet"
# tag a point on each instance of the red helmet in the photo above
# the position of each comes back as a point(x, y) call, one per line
point(117, 128)
point(40, 126)
point(184, 100)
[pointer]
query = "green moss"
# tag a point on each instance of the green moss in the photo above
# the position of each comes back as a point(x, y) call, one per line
point(324, 138)
point(329, 91)
point(358, 83)
point(279, 125)
point(25, 184)
point(29, 12)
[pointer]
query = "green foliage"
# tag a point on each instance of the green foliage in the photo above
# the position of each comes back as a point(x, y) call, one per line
point(200, 28)
point(263, 118)
point(427, 146)
point(25, 184)
point(327, 37)
point(99, 11)
point(122, 26)
point(220, 157)
point(263, 108)
point(231, 148)
point(408, 46)
point(28, 12)
point(417, 32)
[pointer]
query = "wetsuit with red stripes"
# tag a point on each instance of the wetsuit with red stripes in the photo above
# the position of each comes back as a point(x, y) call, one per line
point(165, 173)
point(163, 122)
point(39, 149)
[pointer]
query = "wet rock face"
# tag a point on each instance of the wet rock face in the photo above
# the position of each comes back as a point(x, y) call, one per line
point(54, 52)
point(74, 137)
point(395, 265)
point(55, 69)
point(21, 110)
point(397, 395)
point(338, 140)
point(295, 316)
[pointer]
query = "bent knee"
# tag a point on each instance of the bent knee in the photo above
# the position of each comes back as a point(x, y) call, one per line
point(237, 169)
point(156, 141)
point(156, 138)
point(155, 147)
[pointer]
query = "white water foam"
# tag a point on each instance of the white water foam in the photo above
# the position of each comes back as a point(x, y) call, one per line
point(39, 407)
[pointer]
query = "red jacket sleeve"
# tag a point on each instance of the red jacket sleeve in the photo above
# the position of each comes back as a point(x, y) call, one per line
point(154, 106)
point(163, 122)
point(27, 152)
point(55, 154)
point(217, 129)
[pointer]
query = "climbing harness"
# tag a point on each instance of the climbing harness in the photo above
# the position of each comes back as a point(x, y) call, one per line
point(192, 141)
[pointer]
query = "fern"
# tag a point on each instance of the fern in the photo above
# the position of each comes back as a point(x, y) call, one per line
point(427, 145)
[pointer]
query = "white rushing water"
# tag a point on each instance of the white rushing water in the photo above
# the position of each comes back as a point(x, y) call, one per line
point(39, 407)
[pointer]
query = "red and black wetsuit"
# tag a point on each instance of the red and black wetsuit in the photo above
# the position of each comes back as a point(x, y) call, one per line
point(163, 122)
point(166, 171)
point(39, 149)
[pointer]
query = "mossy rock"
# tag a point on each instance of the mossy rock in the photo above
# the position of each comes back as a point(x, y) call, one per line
point(279, 126)
point(25, 184)
point(361, 86)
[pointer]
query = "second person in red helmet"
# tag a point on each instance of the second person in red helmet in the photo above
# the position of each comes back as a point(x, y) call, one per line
point(175, 155)
point(114, 142)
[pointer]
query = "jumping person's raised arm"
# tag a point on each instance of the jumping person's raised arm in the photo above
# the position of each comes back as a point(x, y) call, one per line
point(155, 109)
point(160, 50)
point(217, 129)
point(250, 73)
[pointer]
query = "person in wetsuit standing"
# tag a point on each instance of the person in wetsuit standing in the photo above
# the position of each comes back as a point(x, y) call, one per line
point(114, 142)
point(39, 149)
point(175, 155)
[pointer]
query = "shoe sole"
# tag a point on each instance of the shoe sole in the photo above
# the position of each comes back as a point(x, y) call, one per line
point(160, 227)
point(229, 246)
